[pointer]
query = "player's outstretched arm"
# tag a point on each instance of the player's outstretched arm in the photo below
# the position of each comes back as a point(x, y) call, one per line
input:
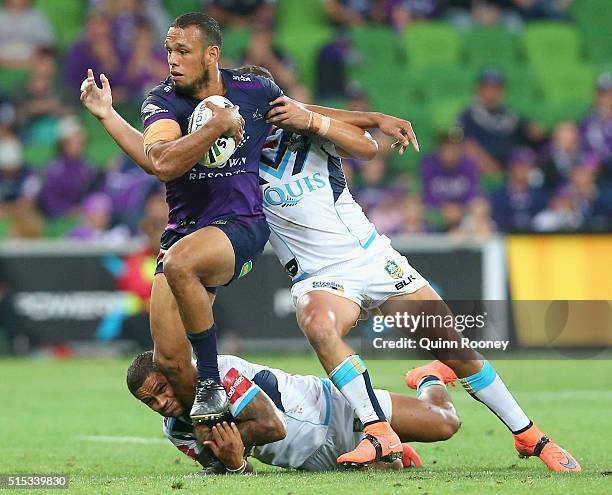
point(350, 140)
point(171, 159)
point(99, 101)
point(397, 128)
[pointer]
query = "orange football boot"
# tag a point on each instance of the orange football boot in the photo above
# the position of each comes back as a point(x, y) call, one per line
point(435, 368)
point(534, 443)
point(380, 443)
point(411, 458)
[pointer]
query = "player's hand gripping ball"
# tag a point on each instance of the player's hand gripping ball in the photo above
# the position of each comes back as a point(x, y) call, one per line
point(224, 147)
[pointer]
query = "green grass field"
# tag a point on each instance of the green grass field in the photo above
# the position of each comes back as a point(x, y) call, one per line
point(74, 417)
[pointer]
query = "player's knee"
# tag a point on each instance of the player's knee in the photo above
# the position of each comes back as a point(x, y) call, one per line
point(177, 267)
point(449, 426)
point(319, 327)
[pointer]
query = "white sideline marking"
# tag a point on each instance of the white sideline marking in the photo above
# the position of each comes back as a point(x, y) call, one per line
point(121, 439)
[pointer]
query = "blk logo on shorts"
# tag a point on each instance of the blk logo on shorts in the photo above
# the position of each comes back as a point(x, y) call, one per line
point(407, 281)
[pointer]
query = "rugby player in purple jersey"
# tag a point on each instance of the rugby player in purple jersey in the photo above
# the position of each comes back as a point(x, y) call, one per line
point(216, 227)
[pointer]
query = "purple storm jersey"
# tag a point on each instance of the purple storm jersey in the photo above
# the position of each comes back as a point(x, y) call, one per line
point(204, 195)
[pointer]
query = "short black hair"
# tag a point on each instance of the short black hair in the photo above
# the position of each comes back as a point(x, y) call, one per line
point(139, 369)
point(208, 26)
point(256, 70)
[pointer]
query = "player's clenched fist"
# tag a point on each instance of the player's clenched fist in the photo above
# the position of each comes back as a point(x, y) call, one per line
point(230, 120)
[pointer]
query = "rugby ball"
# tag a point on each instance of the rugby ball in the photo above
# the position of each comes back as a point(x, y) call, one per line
point(224, 147)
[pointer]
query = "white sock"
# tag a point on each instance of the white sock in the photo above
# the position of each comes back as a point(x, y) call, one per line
point(352, 379)
point(487, 387)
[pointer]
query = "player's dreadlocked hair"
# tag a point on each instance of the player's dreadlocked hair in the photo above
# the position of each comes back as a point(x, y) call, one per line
point(257, 70)
point(139, 369)
point(208, 26)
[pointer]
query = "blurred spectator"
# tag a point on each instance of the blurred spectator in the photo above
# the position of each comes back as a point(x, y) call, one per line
point(333, 61)
point(413, 212)
point(596, 128)
point(128, 187)
point(135, 272)
point(7, 116)
point(126, 15)
point(23, 30)
point(378, 199)
point(96, 51)
point(449, 175)
point(593, 207)
point(148, 63)
point(400, 13)
point(563, 154)
point(516, 203)
point(263, 52)
point(41, 96)
point(491, 130)
point(349, 12)
point(542, 9)
point(477, 223)
point(96, 222)
point(241, 13)
point(18, 190)
point(560, 215)
point(69, 177)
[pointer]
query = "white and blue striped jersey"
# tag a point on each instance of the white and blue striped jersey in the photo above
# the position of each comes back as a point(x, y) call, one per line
point(314, 220)
point(304, 401)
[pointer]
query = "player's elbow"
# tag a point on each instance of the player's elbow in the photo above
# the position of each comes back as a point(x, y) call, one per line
point(162, 164)
point(367, 149)
point(276, 428)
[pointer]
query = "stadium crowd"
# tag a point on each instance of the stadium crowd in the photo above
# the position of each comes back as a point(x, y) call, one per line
point(492, 171)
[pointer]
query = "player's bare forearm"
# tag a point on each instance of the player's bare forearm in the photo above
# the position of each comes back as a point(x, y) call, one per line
point(128, 139)
point(171, 159)
point(365, 120)
point(394, 127)
point(351, 140)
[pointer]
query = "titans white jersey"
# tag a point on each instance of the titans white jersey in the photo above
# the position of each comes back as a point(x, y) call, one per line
point(305, 402)
point(314, 220)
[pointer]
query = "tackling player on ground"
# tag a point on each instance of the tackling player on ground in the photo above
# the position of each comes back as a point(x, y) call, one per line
point(340, 266)
point(292, 421)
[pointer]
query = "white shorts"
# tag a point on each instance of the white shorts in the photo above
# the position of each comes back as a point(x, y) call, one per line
point(341, 436)
point(368, 280)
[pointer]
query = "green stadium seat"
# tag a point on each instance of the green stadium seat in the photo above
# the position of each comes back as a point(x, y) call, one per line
point(13, 79)
point(550, 115)
point(488, 46)
point(302, 43)
point(66, 18)
point(443, 82)
point(589, 13)
point(376, 44)
point(38, 155)
point(564, 83)
point(59, 227)
point(5, 228)
point(546, 42)
point(100, 147)
point(523, 92)
point(292, 14)
point(432, 44)
point(178, 7)
point(235, 42)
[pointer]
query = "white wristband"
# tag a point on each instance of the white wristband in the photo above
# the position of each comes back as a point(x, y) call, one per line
point(239, 470)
